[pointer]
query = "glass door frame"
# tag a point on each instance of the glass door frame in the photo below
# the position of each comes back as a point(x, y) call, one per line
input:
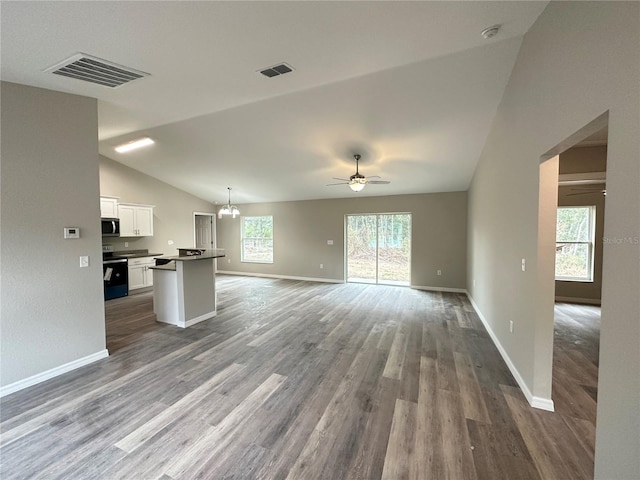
point(377, 261)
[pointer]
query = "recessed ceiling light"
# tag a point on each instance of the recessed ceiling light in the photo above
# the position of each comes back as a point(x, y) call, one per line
point(141, 142)
point(491, 31)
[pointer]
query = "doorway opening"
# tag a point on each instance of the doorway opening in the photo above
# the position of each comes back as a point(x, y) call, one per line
point(578, 276)
point(570, 259)
point(204, 230)
point(378, 248)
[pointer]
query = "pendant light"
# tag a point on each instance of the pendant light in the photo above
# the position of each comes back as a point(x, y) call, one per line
point(228, 209)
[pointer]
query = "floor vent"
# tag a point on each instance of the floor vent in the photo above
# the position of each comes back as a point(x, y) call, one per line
point(276, 70)
point(96, 70)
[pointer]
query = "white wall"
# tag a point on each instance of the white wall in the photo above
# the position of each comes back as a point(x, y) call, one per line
point(301, 231)
point(172, 215)
point(51, 310)
point(579, 60)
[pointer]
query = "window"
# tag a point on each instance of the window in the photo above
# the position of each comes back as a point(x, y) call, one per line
point(257, 239)
point(574, 243)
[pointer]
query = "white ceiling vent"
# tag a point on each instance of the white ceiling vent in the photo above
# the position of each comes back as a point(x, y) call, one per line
point(96, 70)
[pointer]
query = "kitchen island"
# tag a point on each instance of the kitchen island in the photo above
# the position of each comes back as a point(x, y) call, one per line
point(184, 287)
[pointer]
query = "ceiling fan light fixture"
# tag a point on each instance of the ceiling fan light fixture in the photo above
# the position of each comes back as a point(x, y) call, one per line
point(229, 209)
point(357, 184)
point(357, 181)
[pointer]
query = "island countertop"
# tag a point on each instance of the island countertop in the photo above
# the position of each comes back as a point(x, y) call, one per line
point(207, 254)
point(184, 289)
point(171, 267)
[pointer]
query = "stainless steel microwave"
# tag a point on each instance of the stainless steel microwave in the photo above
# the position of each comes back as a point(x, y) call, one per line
point(110, 227)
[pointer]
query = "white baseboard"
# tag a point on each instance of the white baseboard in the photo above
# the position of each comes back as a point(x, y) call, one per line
point(199, 319)
point(586, 301)
point(284, 277)
point(536, 402)
point(54, 372)
point(439, 289)
point(542, 403)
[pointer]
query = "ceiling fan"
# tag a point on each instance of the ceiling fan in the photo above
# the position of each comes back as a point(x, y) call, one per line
point(586, 190)
point(357, 181)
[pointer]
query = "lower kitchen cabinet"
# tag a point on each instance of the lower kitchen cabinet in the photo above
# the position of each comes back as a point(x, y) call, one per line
point(140, 275)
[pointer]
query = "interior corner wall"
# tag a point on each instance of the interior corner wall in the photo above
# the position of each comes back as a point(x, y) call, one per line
point(578, 61)
point(172, 215)
point(302, 228)
point(52, 312)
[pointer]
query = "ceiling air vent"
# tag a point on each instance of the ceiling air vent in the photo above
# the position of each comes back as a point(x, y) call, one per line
point(276, 70)
point(96, 70)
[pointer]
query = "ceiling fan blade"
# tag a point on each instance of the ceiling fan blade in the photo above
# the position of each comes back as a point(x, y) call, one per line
point(585, 193)
point(374, 176)
point(379, 182)
point(341, 179)
point(332, 184)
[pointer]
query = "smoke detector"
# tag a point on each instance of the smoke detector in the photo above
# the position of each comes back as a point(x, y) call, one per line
point(491, 31)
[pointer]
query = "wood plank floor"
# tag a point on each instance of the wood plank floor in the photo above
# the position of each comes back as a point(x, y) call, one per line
point(296, 380)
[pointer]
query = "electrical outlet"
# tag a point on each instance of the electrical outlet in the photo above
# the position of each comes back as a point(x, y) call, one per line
point(510, 326)
point(169, 242)
point(126, 244)
point(84, 261)
point(329, 242)
point(321, 265)
point(474, 282)
point(439, 272)
point(524, 265)
point(228, 260)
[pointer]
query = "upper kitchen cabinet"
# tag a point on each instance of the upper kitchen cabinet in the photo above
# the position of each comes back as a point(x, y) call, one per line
point(109, 207)
point(135, 220)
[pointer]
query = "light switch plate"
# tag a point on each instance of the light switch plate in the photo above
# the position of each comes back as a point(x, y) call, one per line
point(84, 261)
point(329, 242)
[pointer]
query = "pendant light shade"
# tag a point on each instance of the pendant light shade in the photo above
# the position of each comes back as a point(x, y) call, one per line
point(228, 209)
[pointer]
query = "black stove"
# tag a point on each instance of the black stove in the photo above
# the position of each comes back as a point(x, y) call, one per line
point(115, 274)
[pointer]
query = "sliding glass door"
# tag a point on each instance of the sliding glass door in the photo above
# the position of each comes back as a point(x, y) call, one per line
point(379, 248)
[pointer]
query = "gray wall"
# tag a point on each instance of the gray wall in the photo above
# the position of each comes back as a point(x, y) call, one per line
point(172, 215)
point(301, 231)
point(579, 160)
point(52, 310)
point(579, 60)
point(583, 160)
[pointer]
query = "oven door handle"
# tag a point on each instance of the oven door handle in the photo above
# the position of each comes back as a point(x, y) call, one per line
point(120, 260)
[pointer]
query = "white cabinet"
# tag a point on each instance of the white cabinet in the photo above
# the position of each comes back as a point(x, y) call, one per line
point(109, 207)
point(140, 275)
point(135, 220)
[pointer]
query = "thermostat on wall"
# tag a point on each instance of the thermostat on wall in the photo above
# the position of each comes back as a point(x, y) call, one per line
point(71, 232)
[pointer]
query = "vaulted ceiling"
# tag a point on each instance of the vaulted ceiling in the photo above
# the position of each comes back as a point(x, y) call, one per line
point(411, 86)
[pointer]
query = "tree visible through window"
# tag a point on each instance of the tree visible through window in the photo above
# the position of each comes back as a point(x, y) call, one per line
point(257, 239)
point(574, 243)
